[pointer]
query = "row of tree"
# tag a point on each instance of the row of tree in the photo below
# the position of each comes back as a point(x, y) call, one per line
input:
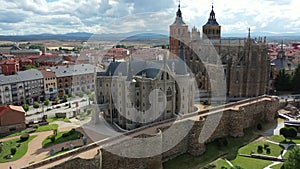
point(287, 82)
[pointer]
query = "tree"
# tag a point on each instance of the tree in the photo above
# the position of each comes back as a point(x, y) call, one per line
point(46, 102)
point(296, 80)
point(27, 67)
point(65, 97)
point(91, 97)
point(36, 105)
point(13, 151)
point(283, 81)
point(25, 107)
point(56, 100)
point(288, 132)
point(292, 133)
point(293, 160)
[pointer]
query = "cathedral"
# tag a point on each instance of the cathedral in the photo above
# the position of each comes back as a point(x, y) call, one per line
point(244, 61)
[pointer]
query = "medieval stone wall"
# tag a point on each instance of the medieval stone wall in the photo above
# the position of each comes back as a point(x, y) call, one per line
point(122, 153)
point(232, 123)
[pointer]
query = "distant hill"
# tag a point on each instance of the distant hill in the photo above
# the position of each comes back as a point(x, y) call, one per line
point(134, 36)
point(84, 36)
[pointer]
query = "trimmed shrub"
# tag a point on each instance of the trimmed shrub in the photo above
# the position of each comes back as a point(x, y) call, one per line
point(66, 135)
point(72, 131)
point(13, 151)
point(259, 149)
point(24, 137)
point(55, 132)
point(268, 150)
point(52, 138)
point(266, 146)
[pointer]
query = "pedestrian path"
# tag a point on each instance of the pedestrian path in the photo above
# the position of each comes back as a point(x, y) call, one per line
point(228, 162)
point(286, 146)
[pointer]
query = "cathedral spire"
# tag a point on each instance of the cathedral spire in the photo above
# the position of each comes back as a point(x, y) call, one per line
point(179, 20)
point(212, 17)
point(179, 13)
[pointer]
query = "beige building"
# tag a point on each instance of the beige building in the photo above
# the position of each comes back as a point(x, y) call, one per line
point(50, 85)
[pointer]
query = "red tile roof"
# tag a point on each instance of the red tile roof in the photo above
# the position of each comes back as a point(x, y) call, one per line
point(48, 74)
point(4, 109)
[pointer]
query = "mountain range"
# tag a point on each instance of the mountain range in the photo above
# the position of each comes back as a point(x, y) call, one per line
point(84, 36)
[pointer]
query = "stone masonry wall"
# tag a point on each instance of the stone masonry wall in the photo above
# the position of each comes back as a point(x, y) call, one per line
point(232, 122)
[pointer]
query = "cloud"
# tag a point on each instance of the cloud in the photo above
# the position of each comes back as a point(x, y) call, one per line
point(116, 16)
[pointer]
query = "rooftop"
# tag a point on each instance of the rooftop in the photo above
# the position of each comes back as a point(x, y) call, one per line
point(21, 76)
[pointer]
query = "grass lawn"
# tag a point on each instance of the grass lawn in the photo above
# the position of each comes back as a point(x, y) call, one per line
point(50, 120)
point(60, 139)
point(246, 162)
point(219, 163)
point(21, 151)
point(281, 139)
point(250, 163)
point(39, 129)
point(277, 166)
point(212, 153)
point(47, 127)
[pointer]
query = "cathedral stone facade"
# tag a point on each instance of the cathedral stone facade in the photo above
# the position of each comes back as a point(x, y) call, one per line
point(245, 61)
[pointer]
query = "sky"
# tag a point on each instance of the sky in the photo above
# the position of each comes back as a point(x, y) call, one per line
point(21, 17)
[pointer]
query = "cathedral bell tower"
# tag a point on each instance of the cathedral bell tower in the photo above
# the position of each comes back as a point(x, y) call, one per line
point(212, 29)
point(179, 35)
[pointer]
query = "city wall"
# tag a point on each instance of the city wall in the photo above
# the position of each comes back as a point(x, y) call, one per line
point(234, 121)
point(235, 118)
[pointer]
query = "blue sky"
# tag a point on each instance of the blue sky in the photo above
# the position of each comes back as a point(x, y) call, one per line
point(19, 17)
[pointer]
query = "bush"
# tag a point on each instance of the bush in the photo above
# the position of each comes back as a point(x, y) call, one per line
point(66, 135)
point(24, 137)
point(52, 138)
point(25, 107)
point(266, 146)
point(36, 126)
point(268, 150)
point(259, 149)
point(36, 105)
point(13, 151)
point(72, 131)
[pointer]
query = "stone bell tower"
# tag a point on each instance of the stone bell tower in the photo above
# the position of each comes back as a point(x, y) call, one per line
point(179, 35)
point(212, 29)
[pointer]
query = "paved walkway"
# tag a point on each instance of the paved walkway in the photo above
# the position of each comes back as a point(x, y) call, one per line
point(229, 163)
point(286, 146)
point(35, 152)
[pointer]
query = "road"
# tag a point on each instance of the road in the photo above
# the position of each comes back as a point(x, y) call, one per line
point(35, 115)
